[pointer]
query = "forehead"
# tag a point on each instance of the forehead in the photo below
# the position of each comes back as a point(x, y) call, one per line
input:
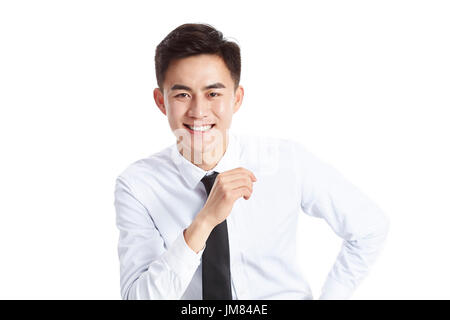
point(198, 71)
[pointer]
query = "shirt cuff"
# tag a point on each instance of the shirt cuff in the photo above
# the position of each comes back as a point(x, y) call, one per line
point(181, 258)
point(334, 290)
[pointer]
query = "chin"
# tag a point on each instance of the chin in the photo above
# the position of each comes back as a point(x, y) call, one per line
point(203, 147)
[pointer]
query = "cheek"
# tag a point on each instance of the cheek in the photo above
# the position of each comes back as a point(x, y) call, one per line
point(175, 112)
point(223, 109)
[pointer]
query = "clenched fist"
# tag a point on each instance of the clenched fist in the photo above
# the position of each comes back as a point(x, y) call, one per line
point(228, 187)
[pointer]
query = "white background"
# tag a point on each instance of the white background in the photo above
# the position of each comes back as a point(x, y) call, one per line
point(363, 84)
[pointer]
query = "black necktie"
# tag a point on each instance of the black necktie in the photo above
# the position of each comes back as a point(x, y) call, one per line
point(216, 257)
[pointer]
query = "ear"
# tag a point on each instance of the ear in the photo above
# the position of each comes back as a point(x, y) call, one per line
point(159, 100)
point(239, 96)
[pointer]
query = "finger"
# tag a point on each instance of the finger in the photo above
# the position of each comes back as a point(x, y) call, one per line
point(241, 181)
point(233, 174)
point(230, 177)
point(241, 192)
point(246, 171)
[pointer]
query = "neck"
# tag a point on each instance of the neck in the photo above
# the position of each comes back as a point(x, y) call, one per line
point(205, 160)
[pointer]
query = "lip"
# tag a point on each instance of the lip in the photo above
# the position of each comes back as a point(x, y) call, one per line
point(199, 132)
point(200, 124)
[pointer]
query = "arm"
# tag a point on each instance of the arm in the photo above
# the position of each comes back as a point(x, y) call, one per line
point(147, 269)
point(352, 215)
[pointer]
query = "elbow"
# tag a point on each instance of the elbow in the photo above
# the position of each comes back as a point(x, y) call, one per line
point(380, 230)
point(380, 224)
point(385, 226)
point(375, 231)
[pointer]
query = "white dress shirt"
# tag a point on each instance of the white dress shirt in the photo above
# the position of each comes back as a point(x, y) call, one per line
point(157, 197)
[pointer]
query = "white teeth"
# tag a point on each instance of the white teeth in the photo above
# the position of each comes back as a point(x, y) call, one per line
point(203, 128)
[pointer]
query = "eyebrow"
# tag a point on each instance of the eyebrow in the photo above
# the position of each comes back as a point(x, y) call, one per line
point(217, 85)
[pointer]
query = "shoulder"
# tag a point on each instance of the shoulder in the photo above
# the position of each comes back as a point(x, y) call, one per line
point(145, 170)
point(271, 155)
point(269, 145)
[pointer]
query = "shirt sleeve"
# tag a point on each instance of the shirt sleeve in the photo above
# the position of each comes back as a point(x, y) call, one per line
point(352, 215)
point(147, 269)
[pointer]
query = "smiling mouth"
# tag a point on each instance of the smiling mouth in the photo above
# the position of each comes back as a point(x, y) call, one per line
point(204, 128)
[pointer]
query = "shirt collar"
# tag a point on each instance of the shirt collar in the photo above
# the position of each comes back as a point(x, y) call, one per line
point(192, 174)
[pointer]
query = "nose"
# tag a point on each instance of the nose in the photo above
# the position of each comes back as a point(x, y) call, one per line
point(198, 108)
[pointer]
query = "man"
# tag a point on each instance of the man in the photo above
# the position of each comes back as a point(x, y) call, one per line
point(214, 216)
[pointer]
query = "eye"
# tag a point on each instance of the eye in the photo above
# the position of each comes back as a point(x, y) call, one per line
point(182, 95)
point(214, 94)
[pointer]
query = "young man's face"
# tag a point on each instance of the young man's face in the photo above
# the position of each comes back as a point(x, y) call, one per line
point(199, 93)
